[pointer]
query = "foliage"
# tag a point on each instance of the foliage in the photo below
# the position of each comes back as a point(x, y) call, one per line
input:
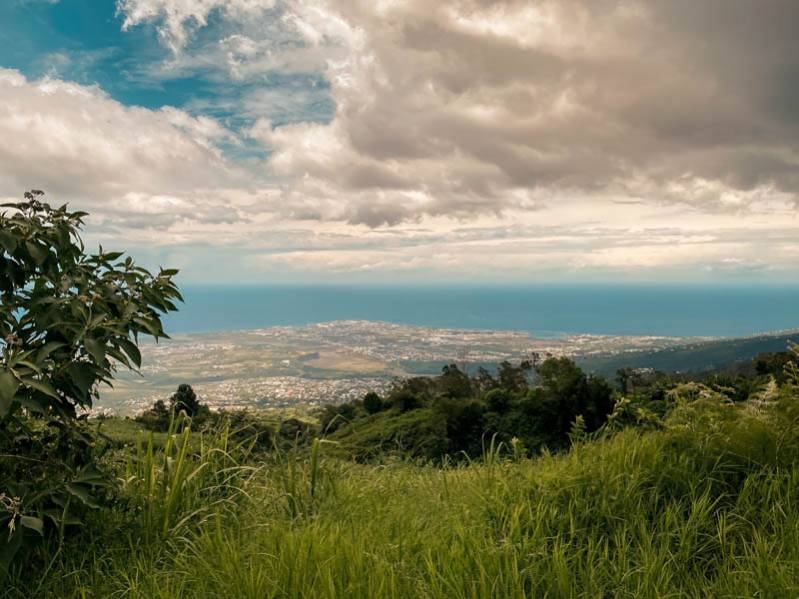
point(703, 506)
point(372, 403)
point(334, 416)
point(293, 431)
point(467, 412)
point(183, 484)
point(405, 400)
point(157, 418)
point(388, 435)
point(244, 427)
point(185, 400)
point(67, 319)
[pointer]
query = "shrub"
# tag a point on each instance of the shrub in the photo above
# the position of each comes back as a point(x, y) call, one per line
point(67, 319)
point(334, 416)
point(156, 418)
point(498, 400)
point(372, 403)
point(406, 400)
point(244, 427)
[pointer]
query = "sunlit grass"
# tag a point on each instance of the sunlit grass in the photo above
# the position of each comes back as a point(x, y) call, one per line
point(705, 508)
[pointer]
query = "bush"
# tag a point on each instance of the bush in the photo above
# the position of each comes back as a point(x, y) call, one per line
point(184, 400)
point(470, 411)
point(334, 416)
point(156, 418)
point(244, 427)
point(372, 403)
point(406, 400)
point(498, 400)
point(67, 320)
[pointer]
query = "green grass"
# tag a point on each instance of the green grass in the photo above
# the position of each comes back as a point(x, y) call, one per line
point(126, 432)
point(706, 507)
point(416, 432)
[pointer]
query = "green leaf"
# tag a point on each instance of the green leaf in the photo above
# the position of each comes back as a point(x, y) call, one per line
point(34, 404)
point(148, 326)
point(90, 475)
point(8, 241)
point(95, 348)
point(42, 386)
point(37, 252)
point(9, 547)
point(58, 518)
point(97, 321)
point(33, 523)
point(83, 375)
point(83, 494)
point(27, 363)
point(9, 385)
point(48, 348)
point(119, 357)
point(133, 352)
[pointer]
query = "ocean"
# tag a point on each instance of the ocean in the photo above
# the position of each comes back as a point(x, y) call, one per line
point(718, 311)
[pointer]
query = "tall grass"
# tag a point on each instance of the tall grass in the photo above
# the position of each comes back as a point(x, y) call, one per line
point(707, 507)
point(176, 486)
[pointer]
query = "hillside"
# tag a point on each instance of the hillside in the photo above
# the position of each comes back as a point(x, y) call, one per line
point(702, 507)
point(692, 357)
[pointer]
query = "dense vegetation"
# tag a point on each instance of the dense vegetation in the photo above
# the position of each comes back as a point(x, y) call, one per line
point(698, 502)
point(67, 320)
point(536, 480)
point(454, 416)
point(694, 357)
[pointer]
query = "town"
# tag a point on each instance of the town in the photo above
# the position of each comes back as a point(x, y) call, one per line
point(305, 367)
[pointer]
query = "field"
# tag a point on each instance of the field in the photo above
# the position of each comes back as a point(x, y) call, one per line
point(703, 507)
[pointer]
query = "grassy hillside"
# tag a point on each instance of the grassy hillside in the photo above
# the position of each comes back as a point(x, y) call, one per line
point(694, 357)
point(701, 505)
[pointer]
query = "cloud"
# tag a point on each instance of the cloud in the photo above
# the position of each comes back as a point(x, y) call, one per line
point(79, 144)
point(466, 107)
point(589, 124)
point(178, 19)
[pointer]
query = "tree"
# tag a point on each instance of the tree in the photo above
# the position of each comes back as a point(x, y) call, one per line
point(185, 400)
point(565, 392)
point(157, 418)
point(160, 410)
point(484, 381)
point(623, 376)
point(514, 378)
point(406, 400)
point(454, 383)
point(68, 319)
point(372, 403)
point(498, 400)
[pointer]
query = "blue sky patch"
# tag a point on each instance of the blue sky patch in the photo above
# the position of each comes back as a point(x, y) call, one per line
point(83, 41)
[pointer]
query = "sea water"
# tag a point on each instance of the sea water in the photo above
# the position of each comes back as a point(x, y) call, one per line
point(543, 310)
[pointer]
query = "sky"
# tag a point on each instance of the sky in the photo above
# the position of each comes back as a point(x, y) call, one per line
point(414, 142)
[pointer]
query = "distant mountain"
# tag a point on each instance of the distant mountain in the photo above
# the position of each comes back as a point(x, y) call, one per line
point(692, 357)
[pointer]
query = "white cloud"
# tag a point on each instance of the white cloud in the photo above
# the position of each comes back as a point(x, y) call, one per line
point(80, 145)
point(465, 107)
point(177, 18)
point(564, 135)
